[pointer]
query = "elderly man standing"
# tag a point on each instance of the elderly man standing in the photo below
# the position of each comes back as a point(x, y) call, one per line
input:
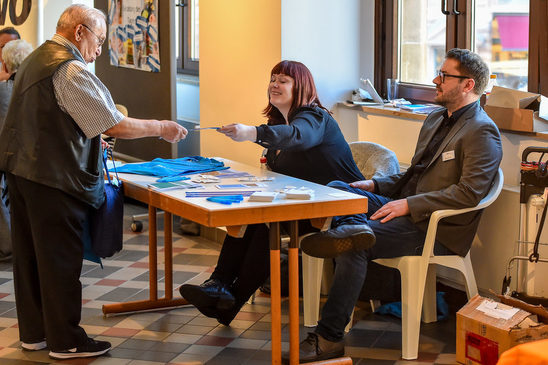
point(456, 160)
point(50, 149)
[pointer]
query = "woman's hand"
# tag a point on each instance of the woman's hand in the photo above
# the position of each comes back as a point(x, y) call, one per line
point(239, 132)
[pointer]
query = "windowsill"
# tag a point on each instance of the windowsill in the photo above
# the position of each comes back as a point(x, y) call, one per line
point(188, 79)
point(396, 112)
point(541, 135)
point(390, 111)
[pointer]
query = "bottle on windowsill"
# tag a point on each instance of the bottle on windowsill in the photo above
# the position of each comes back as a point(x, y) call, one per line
point(492, 82)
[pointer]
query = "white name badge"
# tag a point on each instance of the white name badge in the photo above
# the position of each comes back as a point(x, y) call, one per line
point(449, 155)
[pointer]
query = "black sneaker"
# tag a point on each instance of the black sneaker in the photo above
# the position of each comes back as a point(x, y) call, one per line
point(89, 349)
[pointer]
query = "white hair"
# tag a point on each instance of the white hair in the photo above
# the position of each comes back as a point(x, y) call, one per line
point(80, 14)
point(14, 53)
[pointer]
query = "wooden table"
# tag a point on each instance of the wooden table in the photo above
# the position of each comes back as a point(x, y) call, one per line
point(327, 202)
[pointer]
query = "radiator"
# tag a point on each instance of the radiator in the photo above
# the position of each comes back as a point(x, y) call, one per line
point(533, 277)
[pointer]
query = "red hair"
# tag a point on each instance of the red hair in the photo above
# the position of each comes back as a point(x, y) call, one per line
point(304, 91)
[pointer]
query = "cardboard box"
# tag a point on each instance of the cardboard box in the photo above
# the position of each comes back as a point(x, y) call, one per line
point(516, 110)
point(485, 329)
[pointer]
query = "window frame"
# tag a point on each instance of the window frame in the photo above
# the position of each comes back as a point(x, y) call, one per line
point(459, 31)
point(185, 65)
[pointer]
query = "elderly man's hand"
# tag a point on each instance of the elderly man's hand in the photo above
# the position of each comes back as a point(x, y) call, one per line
point(367, 185)
point(172, 131)
point(391, 210)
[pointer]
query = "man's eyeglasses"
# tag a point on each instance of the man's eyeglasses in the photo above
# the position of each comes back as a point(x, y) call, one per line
point(443, 75)
point(99, 40)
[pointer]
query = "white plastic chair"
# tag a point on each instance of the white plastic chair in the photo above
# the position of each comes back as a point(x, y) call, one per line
point(372, 160)
point(418, 277)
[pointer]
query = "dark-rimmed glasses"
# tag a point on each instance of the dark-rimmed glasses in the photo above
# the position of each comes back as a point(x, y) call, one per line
point(99, 40)
point(443, 75)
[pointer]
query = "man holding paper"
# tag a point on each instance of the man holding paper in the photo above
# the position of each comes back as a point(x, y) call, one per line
point(50, 149)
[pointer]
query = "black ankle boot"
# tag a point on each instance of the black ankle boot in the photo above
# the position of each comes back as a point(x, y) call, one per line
point(209, 295)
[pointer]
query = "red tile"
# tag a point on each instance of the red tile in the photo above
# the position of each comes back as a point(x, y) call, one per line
point(249, 316)
point(110, 282)
point(214, 341)
point(84, 301)
point(3, 295)
point(120, 332)
point(141, 265)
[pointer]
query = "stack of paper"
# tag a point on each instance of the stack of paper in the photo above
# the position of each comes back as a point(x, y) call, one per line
point(301, 194)
point(419, 108)
point(263, 196)
point(174, 185)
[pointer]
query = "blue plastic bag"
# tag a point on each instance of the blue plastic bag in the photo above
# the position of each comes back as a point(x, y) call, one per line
point(395, 307)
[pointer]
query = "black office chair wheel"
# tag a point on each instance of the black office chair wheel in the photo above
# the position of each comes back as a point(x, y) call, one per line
point(137, 226)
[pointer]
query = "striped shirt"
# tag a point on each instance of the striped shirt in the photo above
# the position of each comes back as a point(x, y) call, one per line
point(83, 96)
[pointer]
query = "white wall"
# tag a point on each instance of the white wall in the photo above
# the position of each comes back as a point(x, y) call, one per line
point(334, 39)
point(52, 9)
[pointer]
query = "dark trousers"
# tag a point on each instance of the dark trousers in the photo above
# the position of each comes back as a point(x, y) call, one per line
point(244, 263)
point(397, 237)
point(47, 227)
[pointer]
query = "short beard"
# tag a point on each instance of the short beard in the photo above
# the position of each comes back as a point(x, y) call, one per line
point(448, 98)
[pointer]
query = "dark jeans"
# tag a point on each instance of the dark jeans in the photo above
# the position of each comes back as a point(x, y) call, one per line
point(397, 237)
point(244, 263)
point(47, 228)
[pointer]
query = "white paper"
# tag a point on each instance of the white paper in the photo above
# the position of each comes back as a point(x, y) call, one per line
point(492, 309)
point(263, 196)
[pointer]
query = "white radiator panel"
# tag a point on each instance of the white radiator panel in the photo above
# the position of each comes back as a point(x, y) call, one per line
point(533, 277)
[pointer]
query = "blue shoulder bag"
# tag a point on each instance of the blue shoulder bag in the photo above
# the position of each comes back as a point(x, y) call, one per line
point(106, 223)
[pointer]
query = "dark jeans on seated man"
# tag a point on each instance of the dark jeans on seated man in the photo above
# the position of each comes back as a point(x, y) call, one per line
point(397, 237)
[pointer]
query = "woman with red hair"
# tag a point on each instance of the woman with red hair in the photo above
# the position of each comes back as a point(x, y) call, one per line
point(303, 141)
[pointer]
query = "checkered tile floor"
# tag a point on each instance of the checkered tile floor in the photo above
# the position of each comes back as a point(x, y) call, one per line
point(183, 335)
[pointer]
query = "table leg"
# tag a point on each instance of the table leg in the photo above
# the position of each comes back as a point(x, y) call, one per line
point(294, 293)
point(152, 254)
point(275, 293)
point(153, 302)
point(168, 255)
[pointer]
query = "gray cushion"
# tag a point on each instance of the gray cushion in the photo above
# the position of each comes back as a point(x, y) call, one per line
point(374, 160)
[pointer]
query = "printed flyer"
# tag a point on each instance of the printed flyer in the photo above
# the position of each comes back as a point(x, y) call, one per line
point(133, 34)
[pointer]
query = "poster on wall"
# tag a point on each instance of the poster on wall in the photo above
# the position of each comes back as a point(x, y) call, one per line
point(133, 34)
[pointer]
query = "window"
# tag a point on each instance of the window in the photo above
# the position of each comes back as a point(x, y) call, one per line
point(412, 37)
point(187, 36)
point(501, 37)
